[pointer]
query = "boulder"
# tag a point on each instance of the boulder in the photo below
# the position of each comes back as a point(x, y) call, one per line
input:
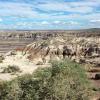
point(97, 76)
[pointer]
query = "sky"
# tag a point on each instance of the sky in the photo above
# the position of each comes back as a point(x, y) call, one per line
point(49, 14)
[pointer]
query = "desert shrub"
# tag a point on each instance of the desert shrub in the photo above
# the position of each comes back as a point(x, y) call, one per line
point(10, 90)
point(1, 59)
point(65, 80)
point(11, 69)
point(69, 81)
point(29, 86)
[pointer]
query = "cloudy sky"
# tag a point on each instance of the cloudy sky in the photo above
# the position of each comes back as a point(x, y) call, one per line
point(49, 14)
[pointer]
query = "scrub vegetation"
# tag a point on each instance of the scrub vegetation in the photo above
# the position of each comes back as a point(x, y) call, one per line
point(64, 80)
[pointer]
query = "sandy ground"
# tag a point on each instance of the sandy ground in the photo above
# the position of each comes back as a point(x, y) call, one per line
point(19, 60)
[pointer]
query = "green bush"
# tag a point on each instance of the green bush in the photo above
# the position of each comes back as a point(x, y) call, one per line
point(65, 80)
point(1, 59)
point(11, 69)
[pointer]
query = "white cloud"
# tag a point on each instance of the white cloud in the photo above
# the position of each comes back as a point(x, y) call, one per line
point(1, 20)
point(44, 23)
point(65, 7)
point(73, 23)
point(52, 12)
point(17, 9)
point(57, 22)
point(65, 23)
point(93, 21)
point(29, 9)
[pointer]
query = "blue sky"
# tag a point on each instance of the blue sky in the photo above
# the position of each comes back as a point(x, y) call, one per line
point(49, 14)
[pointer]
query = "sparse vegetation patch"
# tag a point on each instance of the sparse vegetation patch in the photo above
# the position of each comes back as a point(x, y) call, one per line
point(11, 69)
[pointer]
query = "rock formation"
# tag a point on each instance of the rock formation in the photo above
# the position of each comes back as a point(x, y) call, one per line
point(62, 47)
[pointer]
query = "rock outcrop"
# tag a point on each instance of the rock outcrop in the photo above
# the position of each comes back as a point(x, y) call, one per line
point(78, 49)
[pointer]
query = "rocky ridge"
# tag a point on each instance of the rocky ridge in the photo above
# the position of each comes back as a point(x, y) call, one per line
point(77, 49)
point(41, 52)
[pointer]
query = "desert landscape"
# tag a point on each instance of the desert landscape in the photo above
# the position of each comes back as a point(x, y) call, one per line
point(23, 52)
point(49, 49)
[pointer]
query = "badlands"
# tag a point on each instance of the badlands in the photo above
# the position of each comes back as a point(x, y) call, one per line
point(31, 49)
point(25, 51)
